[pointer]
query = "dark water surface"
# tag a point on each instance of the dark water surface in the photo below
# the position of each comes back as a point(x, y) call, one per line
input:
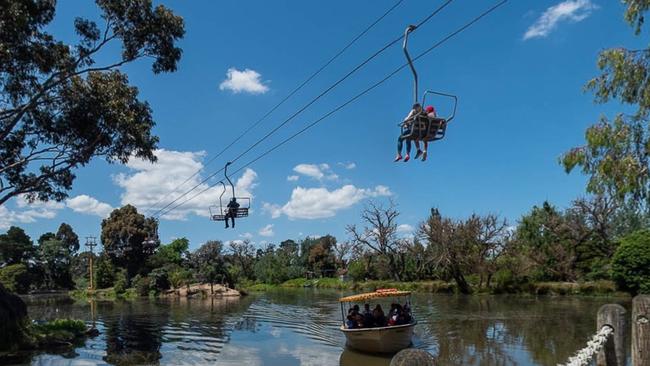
point(300, 327)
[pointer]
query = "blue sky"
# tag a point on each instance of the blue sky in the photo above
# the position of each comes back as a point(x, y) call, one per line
point(519, 75)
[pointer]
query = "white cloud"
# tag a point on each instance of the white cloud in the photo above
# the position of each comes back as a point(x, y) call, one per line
point(316, 171)
point(267, 231)
point(293, 178)
point(568, 10)
point(405, 228)
point(89, 205)
point(246, 81)
point(317, 203)
point(28, 212)
point(348, 166)
point(246, 236)
point(158, 184)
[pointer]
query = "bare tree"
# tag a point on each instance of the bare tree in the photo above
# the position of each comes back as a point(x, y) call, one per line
point(342, 251)
point(380, 234)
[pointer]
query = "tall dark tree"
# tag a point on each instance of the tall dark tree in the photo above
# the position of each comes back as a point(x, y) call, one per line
point(69, 238)
point(123, 235)
point(15, 247)
point(55, 258)
point(45, 237)
point(61, 105)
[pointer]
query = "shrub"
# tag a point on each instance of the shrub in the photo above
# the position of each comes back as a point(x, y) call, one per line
point(159, 279)
point(121, 283)
point(357, 271)
point(15, 278)
point(631, 263)
point(141, 285)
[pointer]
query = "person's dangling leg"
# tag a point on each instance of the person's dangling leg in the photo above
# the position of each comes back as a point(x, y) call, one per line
point(408, 151)
point(418, 152)
point(226, 220)
point(426, 148)
point(400, 145)
point(233, 221)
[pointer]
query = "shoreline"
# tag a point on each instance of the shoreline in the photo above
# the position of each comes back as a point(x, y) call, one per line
point(587, 288)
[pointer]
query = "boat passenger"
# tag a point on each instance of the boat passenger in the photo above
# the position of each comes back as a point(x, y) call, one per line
point(368, 320)
point(352, 322)
point(378, 316)
point(392, 315)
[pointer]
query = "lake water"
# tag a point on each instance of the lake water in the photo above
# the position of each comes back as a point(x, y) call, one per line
point(300, 327)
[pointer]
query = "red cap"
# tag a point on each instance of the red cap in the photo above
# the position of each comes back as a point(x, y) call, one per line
point(430, 109)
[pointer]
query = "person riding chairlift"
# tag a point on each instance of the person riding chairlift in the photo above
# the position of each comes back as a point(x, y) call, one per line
point(232, 211)
point(408, 123)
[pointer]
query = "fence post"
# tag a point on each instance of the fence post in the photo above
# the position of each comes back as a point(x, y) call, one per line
point(613, 353)
point(641, 330)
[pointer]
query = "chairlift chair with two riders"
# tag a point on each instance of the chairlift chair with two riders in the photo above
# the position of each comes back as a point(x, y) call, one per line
point(420, 127)
point(219, 213)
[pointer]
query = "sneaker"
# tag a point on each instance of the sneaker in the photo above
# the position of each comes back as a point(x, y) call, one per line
point(406, 158)
point(398, 158)
point(418, 154)
point(424, 156)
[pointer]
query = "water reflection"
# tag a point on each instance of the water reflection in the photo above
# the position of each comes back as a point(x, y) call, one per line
point(301, 328)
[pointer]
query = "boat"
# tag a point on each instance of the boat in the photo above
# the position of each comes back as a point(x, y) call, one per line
point(385, 339)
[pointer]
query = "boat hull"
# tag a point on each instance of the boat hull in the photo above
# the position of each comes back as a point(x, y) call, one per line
point(380, 340)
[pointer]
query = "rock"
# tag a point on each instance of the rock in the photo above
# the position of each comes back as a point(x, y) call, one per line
point(13, 317)
point(412, 357)
point(201, 290)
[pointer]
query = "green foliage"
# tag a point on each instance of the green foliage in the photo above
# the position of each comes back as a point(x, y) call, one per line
point(631, 263)
point(15, 247)
point(208, 263)
point(180, 277)
point(104, 272)
point(15, 278)
point(159, 279)
point(357, 270)
point(123, 236)
point(69, 238)
point(121, 282)
point(55, 257)
point(141, 285)
point(62, 105)
point(172, 253)
point(615, 155)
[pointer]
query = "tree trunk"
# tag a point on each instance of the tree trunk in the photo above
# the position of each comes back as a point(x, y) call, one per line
point(463, 286)
point(13, 316)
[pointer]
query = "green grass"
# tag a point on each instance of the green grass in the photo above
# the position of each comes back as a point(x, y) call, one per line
point(56, 332)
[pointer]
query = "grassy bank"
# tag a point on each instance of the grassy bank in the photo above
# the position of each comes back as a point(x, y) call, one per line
point(103, 294)
point(591, 288)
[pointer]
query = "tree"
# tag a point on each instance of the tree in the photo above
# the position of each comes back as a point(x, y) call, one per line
point(615, 156)
point(69, 238)
point(15, 247)
point(55, 257)
point(342, 251)
point(123, 235)
point(209, 263)
point(241, 258)
point(380, 234)
point(45, 237)
point(321, 256)
point(61, 105)
point(105, 273)
point(631, 263)
point(15, 278)
point(173, 253)
point(450, 251)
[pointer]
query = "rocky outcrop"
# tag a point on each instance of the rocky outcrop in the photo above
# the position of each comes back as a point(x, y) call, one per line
point(201, 290)
point(13, 318)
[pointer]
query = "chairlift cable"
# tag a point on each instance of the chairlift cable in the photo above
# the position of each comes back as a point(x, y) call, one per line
point(303, 108)
point(281, 102)
point(353, 99)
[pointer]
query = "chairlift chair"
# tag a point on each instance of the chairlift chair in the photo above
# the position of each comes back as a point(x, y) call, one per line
point(421, 127)
point(219, 213)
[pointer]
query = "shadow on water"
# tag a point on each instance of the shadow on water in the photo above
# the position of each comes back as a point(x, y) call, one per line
point(350, 357)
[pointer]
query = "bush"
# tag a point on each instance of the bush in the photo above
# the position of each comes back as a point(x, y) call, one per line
point(357, 271)
point(121, 283)
point(631, 263)
point(141, 285)
point(159, 279)
point(15, 278)
point(104, 273)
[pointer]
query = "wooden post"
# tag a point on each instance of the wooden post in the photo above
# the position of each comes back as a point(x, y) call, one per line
point(641, 330)
point(613, 353)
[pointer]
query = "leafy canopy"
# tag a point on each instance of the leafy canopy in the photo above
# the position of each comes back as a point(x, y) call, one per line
point(60, 107)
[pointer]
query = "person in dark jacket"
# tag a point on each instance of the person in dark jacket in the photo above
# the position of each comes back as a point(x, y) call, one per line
point(232, 211)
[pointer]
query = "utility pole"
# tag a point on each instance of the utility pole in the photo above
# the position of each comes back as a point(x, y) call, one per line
point(91, 243)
